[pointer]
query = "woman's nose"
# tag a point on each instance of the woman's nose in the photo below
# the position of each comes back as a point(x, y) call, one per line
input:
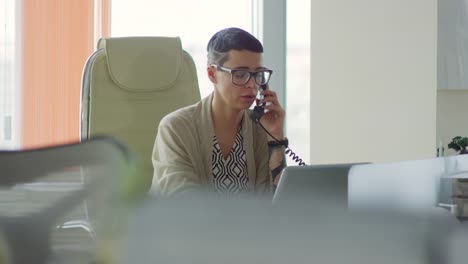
point(251, 83)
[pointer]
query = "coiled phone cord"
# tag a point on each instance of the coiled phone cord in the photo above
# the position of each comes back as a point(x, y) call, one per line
point(288, 150)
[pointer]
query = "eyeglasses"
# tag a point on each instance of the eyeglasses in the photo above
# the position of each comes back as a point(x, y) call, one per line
point(242, 77)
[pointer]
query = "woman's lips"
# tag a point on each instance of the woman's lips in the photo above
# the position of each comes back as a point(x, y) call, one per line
point(248, 98)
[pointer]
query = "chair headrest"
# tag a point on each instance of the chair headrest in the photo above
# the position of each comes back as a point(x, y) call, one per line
point(143, 63)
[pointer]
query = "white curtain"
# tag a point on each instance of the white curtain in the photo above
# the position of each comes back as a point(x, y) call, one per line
point(8, 75)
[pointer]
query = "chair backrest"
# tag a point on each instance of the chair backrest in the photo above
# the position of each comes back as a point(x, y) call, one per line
point(41, 188)
point(129, 84)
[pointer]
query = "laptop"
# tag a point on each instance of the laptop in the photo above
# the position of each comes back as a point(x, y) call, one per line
point(314, 184)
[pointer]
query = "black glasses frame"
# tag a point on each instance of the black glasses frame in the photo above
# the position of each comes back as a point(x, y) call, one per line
point(251, 74)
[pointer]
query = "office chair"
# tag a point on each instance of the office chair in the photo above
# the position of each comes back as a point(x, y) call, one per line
point(42, 190)
point(128, 85)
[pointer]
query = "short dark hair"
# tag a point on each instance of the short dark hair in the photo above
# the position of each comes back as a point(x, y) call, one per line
point(230, 39)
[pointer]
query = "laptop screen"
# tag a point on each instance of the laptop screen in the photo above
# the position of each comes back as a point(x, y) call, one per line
point(313, 183)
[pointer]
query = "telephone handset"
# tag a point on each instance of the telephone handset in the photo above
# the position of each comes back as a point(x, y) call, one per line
point(258, 112)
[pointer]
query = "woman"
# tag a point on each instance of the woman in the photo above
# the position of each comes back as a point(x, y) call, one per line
point(214, 145)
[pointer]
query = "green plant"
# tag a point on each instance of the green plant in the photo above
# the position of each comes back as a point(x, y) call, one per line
point(459, 144)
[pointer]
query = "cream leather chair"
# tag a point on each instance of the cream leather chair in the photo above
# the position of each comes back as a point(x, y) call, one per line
point(128, 85)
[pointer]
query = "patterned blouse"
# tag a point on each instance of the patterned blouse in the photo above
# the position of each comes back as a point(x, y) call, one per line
point(230, 174)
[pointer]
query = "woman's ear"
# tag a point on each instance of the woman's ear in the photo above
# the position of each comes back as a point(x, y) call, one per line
point(211, 74)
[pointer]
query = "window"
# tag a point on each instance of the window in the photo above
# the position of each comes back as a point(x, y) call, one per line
point(43, 47)
point(39, 102)
point(298, 78)
point(8, 75)
point(143, 18)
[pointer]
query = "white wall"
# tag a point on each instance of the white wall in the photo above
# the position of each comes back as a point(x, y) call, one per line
point(452, 43)
point(373, 80)
point(452, 121)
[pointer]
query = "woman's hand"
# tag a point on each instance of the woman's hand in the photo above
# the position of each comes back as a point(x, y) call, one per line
point(273, 119)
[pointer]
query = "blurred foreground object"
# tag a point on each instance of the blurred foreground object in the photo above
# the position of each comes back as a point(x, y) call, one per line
point(59, 204)
point(206, 229)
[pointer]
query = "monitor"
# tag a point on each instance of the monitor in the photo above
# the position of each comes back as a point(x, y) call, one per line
point(411, 185)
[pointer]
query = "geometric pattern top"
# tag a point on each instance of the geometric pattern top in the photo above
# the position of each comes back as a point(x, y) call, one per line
point(230, 174)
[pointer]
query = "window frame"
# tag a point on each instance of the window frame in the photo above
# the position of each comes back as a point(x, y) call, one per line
point(269, 25)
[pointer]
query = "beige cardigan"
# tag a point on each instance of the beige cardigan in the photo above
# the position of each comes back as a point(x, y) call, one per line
point(183, 149)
